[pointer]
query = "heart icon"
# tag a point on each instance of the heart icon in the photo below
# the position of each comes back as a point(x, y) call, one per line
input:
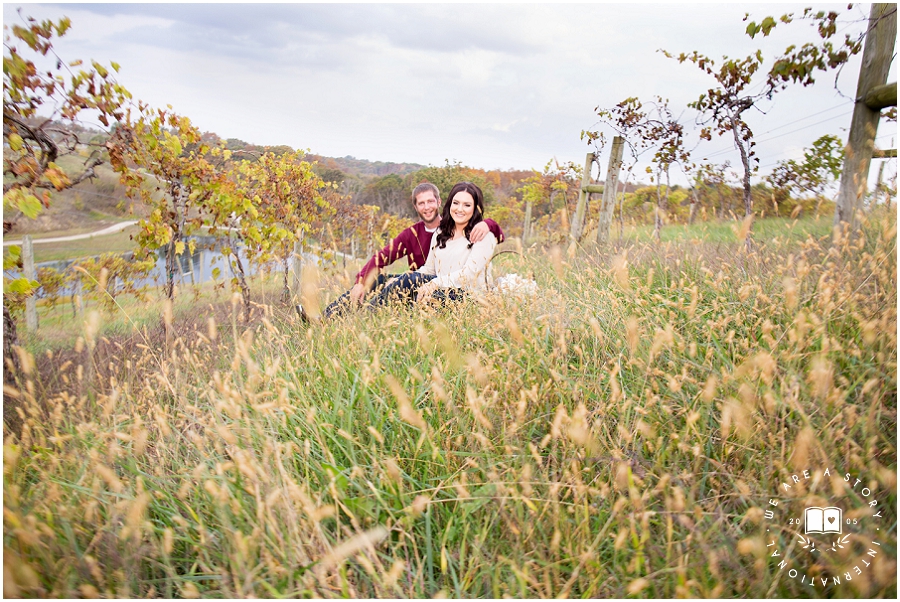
point(830, 519)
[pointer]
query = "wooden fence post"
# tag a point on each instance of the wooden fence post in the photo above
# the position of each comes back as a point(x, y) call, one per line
point(31, 321)
point(876, 61)
point(584, 195)
point(526, 227)
point(879, 186)
point(297, 266)
point(608, 203)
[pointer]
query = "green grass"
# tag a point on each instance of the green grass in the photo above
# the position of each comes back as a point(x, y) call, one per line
point(59, 233)
point(620, 434)
point(60, 324)
point(119, 242)
point(98, 215)
point(765, 231)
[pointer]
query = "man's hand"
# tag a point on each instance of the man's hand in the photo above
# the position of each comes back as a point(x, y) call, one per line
point(357, 292)
point(478, 232)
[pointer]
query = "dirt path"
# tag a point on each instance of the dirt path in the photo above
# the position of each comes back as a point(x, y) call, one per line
point(109, 230)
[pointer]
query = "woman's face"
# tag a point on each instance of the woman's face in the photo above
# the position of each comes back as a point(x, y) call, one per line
point(462, 207)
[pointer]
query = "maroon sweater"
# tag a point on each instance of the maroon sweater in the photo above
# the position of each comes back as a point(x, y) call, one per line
point(413, 243)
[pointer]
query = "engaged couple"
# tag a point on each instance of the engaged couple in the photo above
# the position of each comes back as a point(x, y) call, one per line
point(448, 251)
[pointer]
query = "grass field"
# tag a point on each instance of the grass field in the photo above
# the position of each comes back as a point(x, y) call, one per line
point(67, 232)
point(622, 433)
point(765, 232)
point(119, 242)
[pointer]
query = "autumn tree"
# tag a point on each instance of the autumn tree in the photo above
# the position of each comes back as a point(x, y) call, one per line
point(271, 204)
point(626, 120)
point(447, 176)
point(365, 228)
point(35, 100)
point(710, 184)
point(819, 168)
point(354, 223)
point(388, 192)
point(111, 275)
point(165, 165)
point(722, 107)
point(666, 135)
point(534, 190)
point(798, 65)
point(549, 189)
point(652, 129)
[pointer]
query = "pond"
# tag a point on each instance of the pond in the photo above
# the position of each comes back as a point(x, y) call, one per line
point(191, 268)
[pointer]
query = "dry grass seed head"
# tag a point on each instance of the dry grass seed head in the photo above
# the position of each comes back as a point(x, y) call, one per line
point(790, 293)
point(514, 330)
point(407, 412)
point(26, 363)
point(632, 334)
point(735, 414)
point(821, 377)
point(556, 261)
point(620, 271)
point(803, 449)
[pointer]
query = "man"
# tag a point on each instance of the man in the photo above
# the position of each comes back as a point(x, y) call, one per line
point(413, 243)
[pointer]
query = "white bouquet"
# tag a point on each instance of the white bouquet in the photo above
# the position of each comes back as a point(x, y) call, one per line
point(513, 284)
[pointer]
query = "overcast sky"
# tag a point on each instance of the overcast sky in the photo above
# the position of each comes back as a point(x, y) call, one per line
point(493, 86)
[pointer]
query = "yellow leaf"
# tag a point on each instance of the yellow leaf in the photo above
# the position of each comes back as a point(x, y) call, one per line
point(179, 248)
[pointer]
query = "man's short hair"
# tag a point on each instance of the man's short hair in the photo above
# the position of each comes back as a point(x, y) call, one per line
point(426, 187)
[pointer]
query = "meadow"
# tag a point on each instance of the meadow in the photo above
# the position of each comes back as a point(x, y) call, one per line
point(622, 433)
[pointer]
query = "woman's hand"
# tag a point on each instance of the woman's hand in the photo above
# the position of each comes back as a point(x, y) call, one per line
point(423, 295)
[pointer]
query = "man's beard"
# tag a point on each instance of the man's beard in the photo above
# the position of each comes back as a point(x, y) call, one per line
point(424, 219)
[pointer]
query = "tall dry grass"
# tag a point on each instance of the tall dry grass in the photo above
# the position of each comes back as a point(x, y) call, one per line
point(620, 434)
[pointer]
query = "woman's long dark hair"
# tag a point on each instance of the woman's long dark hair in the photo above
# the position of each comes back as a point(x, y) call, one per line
point(448, 225)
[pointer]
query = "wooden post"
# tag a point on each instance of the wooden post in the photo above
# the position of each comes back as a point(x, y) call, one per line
point(609, 191)
point(180, 265)
point(873, 71)
point(31, 321)
point(695, 202)
point(526, 227)
point(297, 266)
point(191, 260)
point(881, 97)
point(584, 195)
point(565, 207)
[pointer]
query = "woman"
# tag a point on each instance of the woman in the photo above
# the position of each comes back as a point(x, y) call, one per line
point(458, 265)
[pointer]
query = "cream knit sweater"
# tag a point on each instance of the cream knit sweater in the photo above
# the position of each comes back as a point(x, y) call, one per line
point(457, 266)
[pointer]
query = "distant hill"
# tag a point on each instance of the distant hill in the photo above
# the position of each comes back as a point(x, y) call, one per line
point(362, 167)
point(101, 201)
point(348, 165)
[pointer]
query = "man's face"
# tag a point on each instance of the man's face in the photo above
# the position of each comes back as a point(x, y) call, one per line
point(426, 206)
